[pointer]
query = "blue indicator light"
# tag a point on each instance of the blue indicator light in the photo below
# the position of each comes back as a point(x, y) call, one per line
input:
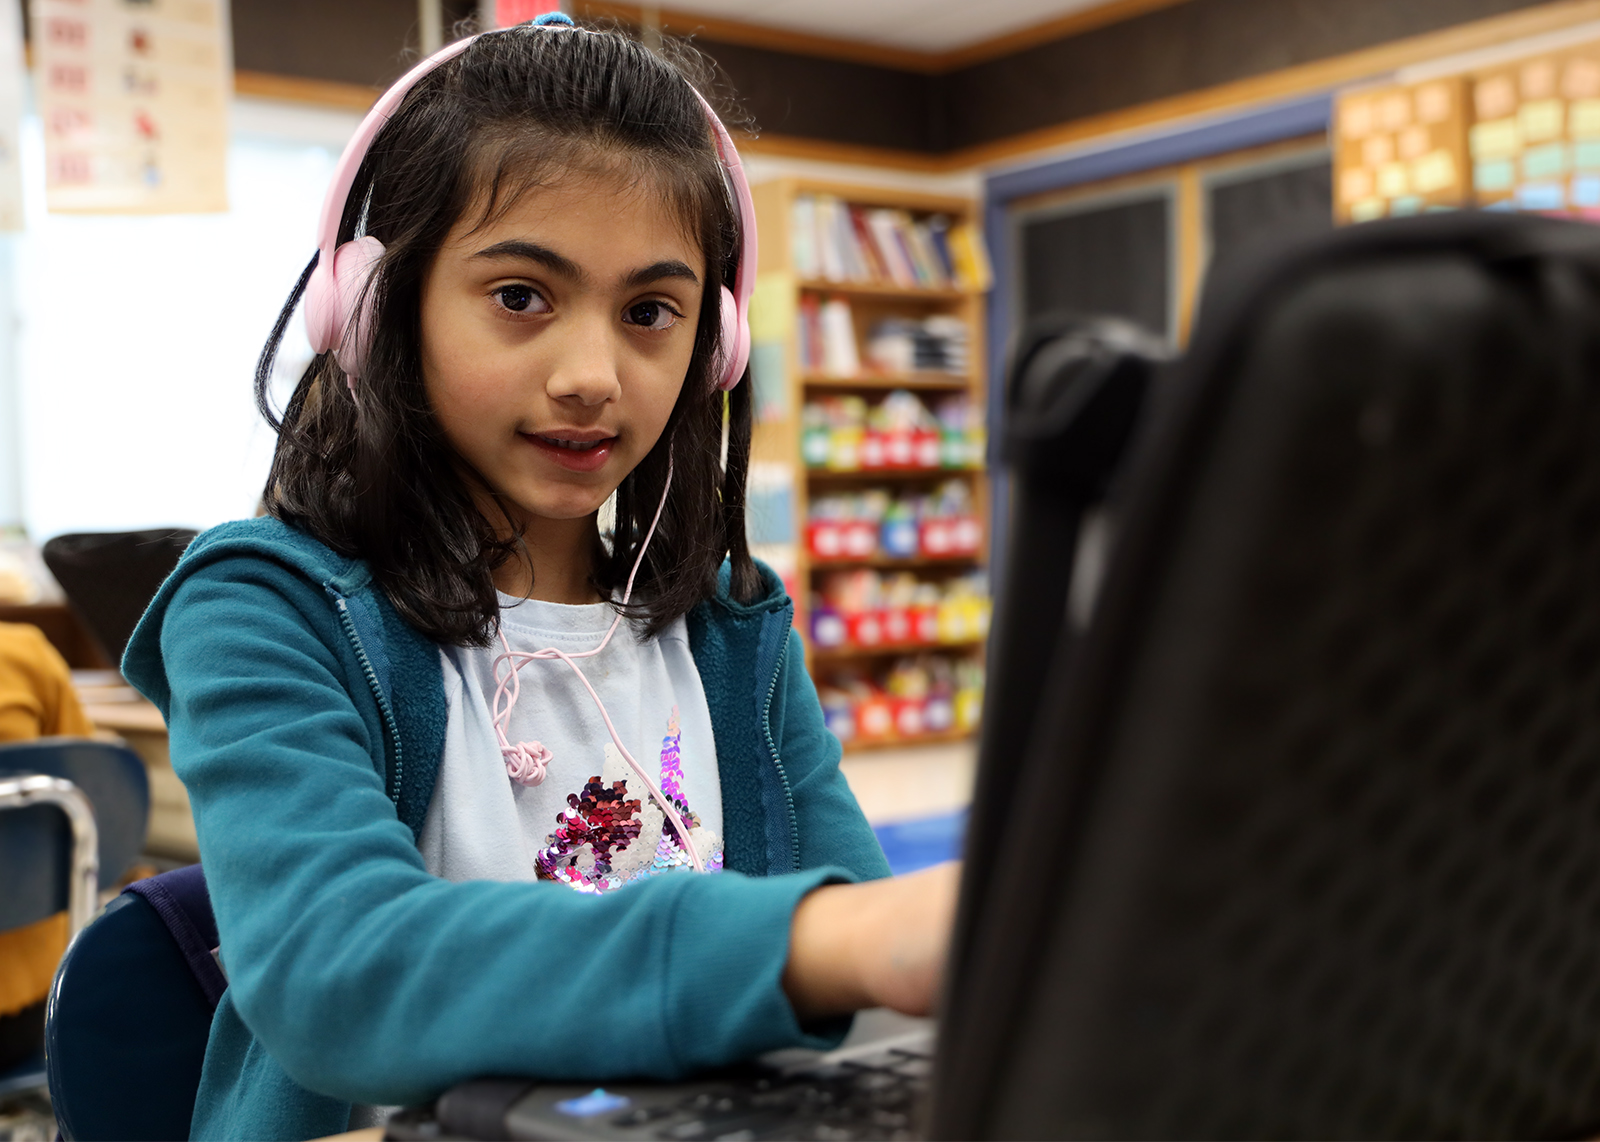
point(597, 1101)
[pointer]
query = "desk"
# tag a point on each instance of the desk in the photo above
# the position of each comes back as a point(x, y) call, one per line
point(117, 708)
point(63, 630)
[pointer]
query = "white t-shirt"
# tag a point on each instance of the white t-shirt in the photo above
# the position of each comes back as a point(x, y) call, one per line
point(590, 824)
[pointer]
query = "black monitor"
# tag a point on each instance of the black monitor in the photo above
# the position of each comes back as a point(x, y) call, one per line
point(1304, 837)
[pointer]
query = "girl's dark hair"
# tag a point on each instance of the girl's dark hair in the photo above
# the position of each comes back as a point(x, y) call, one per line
point(376, 479)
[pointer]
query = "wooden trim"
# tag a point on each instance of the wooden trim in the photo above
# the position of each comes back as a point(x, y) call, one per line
point(1191, 246)
point(879, 55)
point(297, 89)
point(763, 36)
point(822, 150)
point(918, 201)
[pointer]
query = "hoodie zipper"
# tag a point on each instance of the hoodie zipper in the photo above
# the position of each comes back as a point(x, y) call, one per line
point(384, 709)
point(783, 775)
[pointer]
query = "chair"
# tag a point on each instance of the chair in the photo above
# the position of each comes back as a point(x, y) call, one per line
point(72, 819)
point(125, 1057)
point(110, 577)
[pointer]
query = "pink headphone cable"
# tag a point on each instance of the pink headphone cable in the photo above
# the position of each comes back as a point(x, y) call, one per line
point(527, 762)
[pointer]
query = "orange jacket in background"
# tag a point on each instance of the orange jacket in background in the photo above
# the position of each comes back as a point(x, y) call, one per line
point(36, 700)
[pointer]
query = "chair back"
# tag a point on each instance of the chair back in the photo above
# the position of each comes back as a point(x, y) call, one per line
point(110, 577)
point(130, 1013)
point(36, 842)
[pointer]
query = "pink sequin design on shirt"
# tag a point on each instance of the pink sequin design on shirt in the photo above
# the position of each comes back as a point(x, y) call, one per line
point(606, 821)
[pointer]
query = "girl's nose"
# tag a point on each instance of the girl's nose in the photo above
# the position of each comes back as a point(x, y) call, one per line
point(585, 365)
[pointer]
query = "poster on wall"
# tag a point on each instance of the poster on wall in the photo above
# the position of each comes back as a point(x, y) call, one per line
point(133, 97)
point(11, 72)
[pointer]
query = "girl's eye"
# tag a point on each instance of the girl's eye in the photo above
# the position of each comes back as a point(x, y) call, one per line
point(521, 299)
point(652, 315)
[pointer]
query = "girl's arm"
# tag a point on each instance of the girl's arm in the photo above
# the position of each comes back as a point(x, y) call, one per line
point(368, 979)
point(878, 944)
point(873, 944)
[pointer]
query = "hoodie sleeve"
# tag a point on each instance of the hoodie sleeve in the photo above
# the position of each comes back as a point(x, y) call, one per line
point(369, 980)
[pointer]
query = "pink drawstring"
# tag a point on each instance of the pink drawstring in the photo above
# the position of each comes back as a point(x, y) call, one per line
point(527, 762)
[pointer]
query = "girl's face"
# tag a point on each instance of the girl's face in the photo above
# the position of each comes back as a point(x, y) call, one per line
point(555, 340)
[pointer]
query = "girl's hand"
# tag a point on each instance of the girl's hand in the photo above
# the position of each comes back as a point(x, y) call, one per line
point(878, 944)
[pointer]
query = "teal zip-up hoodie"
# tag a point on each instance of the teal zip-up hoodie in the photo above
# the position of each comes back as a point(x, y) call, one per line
point(307, 721)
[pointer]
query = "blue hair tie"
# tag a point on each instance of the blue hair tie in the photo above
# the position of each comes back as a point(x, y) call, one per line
point(549, 18)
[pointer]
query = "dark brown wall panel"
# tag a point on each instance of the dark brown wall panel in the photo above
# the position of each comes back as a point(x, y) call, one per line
point(1175, 50)
point(831, 99)
point(353, 41)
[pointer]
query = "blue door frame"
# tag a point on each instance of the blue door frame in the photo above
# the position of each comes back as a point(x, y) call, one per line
point(1257, 127)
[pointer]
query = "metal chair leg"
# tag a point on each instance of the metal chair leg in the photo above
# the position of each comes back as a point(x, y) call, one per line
point(83, 891)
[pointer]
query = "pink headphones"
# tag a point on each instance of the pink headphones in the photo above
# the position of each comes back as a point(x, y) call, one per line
point(337, 288)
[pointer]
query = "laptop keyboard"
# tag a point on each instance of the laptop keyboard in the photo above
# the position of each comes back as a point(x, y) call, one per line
point(877, 1090)
point(874, 1097)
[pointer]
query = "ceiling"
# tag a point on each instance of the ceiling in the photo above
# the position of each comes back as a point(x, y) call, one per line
point(934, 26)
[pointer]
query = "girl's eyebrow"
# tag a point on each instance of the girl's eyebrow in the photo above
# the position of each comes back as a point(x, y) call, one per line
point(523, 250)
point(533, 252)
point(672, 268)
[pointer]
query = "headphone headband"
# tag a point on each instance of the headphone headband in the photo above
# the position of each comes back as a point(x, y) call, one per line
point(336, 296)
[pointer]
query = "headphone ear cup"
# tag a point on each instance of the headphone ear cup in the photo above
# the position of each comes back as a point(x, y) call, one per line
point(735, 341)
point(346, 307)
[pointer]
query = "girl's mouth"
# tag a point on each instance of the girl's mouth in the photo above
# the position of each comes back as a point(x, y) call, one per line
point(573, 455)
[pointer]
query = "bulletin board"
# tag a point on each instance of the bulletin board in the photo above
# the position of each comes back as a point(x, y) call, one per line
point(1520, 135)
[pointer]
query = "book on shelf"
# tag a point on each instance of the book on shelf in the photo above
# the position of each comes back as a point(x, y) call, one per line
point(894, 345)
point(832, 240)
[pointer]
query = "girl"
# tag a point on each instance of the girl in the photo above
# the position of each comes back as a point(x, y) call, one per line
point(455, 819)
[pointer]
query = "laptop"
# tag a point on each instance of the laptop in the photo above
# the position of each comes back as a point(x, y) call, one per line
point(1299, 836)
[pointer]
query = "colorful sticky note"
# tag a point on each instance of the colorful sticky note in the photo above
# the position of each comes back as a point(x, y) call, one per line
point(1496, 175)
point(1495, 98)
point(1586, 156)
point(1583, 119)
point(1368, 209)
point(1355, 118)
point(1541, 196)
point(1543, 162)
point(1433, 103)
point(1542, 119)
point(1394, 180)
point(1495, 139)
point(1355, 184)
point(1434, 172)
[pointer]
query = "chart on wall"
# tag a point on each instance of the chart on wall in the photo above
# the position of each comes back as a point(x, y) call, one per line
point(1519, 135)
point(11, 72)
point(133, 96)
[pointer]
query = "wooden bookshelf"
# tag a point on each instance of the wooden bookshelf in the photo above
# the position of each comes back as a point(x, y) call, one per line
point(895, 741)
point(916, 382)
point(890, 563)
point(833, 655)
point(777, 438)
point(883, 290)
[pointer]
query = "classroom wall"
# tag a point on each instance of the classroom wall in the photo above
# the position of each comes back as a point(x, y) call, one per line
point(138, 336)
point(1175, 49)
